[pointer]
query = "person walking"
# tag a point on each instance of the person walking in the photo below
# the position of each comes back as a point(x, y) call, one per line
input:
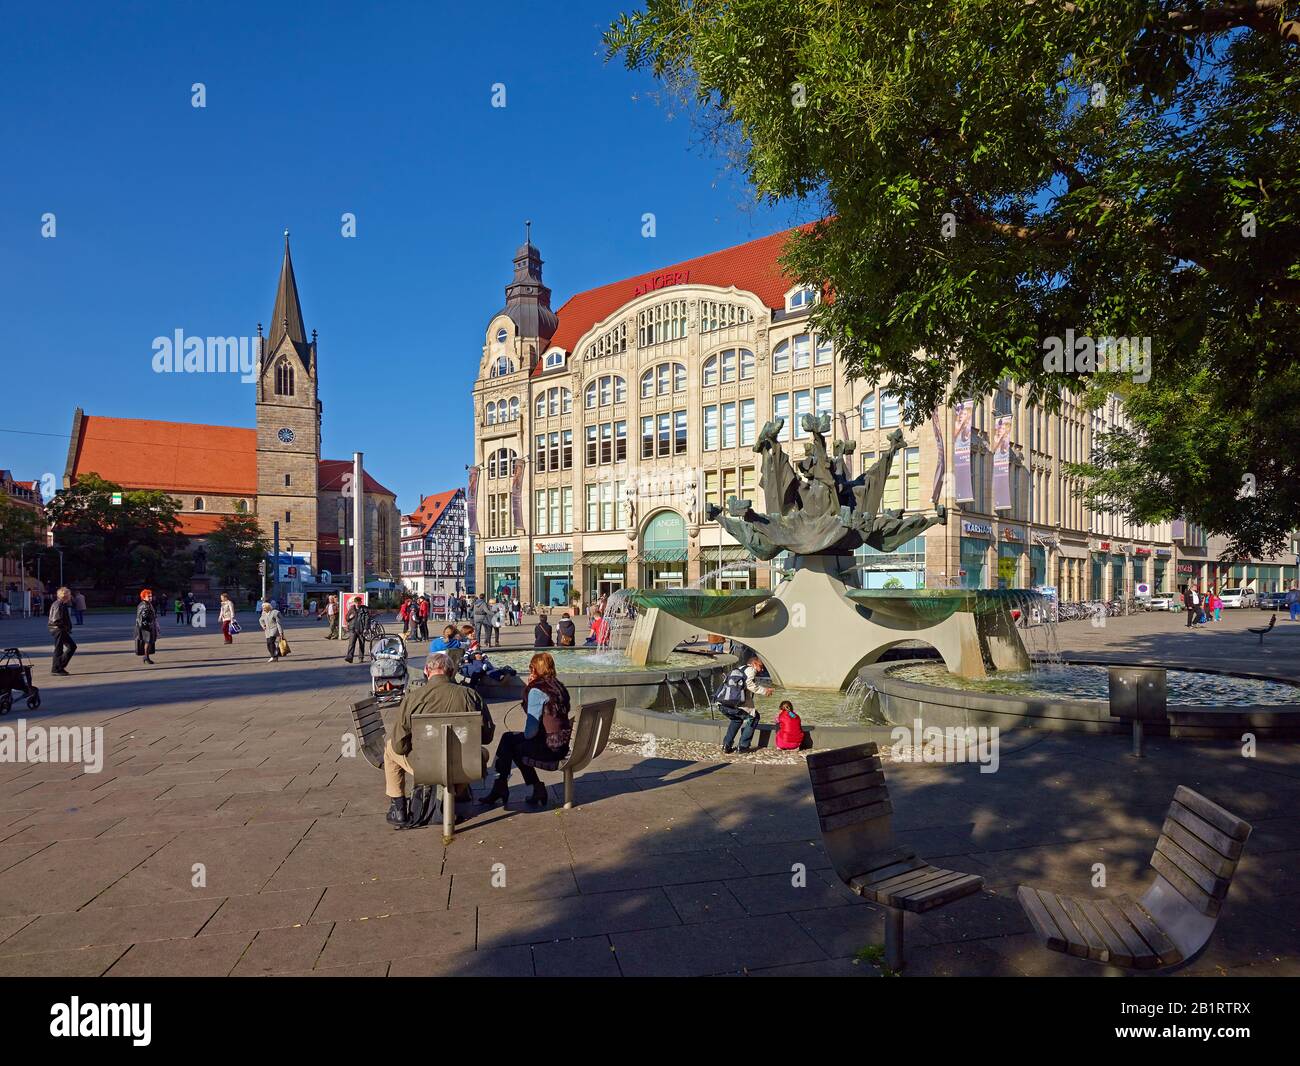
point(269, 620)
point(356, 623)
point(422, 615)
point(179, 606)
point(542, 635)
point(79, 608)
point(226, 616)
point(546, 733)
point(498, 620)
point(146, 626)
point(60, 626)
point(1192, 601)
point(332, 616)
point(404, 613)
point(1293, 602)
point(1216, 604)
point(481, 618)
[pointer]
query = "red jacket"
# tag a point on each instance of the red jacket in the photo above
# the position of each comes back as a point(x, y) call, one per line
point(789, 731)
point(424, 609)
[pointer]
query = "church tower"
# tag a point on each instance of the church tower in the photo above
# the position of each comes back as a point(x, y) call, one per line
point(528, 302)
point(288, 422)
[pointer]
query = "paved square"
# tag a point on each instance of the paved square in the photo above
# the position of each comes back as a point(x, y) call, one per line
point(227, 834)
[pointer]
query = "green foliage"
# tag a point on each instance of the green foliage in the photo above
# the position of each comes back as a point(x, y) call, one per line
point(234, 550)
point(992, 173)
point(22, 532)
point(131, 545)
point(893, 583)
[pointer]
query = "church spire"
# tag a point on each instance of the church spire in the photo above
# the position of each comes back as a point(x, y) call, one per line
point(528, 300)
point(286, 318)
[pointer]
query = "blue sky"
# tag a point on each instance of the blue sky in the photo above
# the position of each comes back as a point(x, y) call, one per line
point(170, 217)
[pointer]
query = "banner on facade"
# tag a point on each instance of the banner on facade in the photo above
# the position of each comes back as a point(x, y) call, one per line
point(847, 457)
point(1002, 463)
point(471, 494)
point(963, 417)
point(517, 496)
point(936, 490)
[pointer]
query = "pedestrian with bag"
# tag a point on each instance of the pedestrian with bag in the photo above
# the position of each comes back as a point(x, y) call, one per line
point(498, 620)
point(226, 616)
point(542, 635)
point(60, 626)
point(332, 616)
point(271, 625)
point(735, 699)
point(356, 623)
point(565, 631)
point(146, 626)
point(422, 616)
point(545, 737)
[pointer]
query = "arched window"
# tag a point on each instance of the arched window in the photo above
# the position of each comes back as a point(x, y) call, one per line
point(514, 408)
point(283, 378)
point(241, 507)
point(539, 408)
point(604, 391)
point(501, 463)
point(589, 395)
point(801, 298)
point(502, 367)
point(868, 411)
point(554, 360)
point(490, 413)
point(710, 370)
point(781, 358)
point(198, 503)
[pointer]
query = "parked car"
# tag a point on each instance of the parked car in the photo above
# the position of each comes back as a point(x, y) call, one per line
point(1272, 601)
point(1239, 597)
point(1164, 603)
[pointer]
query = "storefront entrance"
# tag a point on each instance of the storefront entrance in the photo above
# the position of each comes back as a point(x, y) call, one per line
point(603, 574)
point(663, 552)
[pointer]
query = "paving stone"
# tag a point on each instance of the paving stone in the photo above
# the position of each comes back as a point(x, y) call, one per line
point(263, 910)
point(532, 922)
point(714, 947)
point(704, 901)
point(87, 962)
point(382, 899)
point(110, 925)
point(281, 951)
point(401, 935)
point(492, 962)
point(592, 956)
point(204, 956)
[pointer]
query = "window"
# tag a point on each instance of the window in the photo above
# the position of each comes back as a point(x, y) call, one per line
point(589, 396)
point(554, 360)
point(802, 351)
point(679, 377)
point(746, 364)
point(648, 437)
point(604, 391)
point(501, 463)
point(499, 521)
point(288, 480)
point(801, 298)
point(913, 473)
point(663, 322)
point(199, 503)
point(825, 352)
point(868, 411)
point(711, 428)
point(241, 507)
point(747, 427)
point(553, 511)
point(283, 378)
point(606, 443)
point(822, 401)
point(711, 370)
point(781, 358)
point(502, 367)
point(802, 406)
point(288, 517)
point(781, 410)
point(888, 409)
point(490, 413)
point(663, 379)
point(664, 425)
point(539, 408)
point(728, 425)
point(604, 507)
point(514, 408)
point(715, 315)
point(728, 362)
point(612, 342)
point(679, 432)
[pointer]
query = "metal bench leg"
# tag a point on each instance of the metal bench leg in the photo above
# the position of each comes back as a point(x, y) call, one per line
point(568, 789)
point(1138, 753)
point(894, 938)
point(448, 811)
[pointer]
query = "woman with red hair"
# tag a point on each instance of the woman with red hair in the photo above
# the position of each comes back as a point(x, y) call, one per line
point(545, 737)
point(146, 626)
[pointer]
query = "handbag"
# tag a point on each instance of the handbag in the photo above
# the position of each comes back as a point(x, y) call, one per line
point(283, 646)
point(233, 628)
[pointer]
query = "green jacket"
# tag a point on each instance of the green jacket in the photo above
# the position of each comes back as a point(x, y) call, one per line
point(440, 695)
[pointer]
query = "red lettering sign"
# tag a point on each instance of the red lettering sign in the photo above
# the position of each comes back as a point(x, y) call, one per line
point(661, 281)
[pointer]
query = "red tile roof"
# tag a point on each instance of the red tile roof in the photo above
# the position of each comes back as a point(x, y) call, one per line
point(199, 524)
point(184, 457)
point(751, 266)
point(430, 510)
point(181, 457)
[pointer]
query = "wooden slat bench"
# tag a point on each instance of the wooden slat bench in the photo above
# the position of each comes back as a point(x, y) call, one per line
point(368, 717)
point(590, 726)
point(854, 809)
point(1195, 858)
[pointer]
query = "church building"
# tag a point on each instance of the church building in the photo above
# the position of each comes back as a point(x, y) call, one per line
point(273, 470)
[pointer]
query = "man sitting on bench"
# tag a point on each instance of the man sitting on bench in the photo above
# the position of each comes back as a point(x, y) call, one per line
point(439, 696)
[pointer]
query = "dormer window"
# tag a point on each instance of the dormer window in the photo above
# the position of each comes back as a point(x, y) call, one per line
point(554, 360)
point(801, 299)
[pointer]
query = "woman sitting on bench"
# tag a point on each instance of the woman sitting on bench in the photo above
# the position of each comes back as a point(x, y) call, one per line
point(545, 737)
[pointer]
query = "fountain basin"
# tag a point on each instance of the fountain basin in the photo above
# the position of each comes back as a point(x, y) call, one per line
point(700, 604)
point(957, 702)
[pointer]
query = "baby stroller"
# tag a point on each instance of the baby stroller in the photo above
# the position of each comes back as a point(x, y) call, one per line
point(16, 675)
point(388, 675)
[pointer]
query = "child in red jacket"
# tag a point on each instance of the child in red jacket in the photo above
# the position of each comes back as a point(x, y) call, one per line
point(789, 728)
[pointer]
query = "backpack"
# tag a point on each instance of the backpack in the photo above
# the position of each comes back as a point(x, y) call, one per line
point(731, 693)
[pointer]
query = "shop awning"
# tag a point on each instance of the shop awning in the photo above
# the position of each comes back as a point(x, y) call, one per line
point(731, 553)
point(664, 555)
point(607, 558)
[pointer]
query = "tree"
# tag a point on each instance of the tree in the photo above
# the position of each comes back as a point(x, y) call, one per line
point(235, 548)
point(994, 173)
point(134, 544)
point(22, 530)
